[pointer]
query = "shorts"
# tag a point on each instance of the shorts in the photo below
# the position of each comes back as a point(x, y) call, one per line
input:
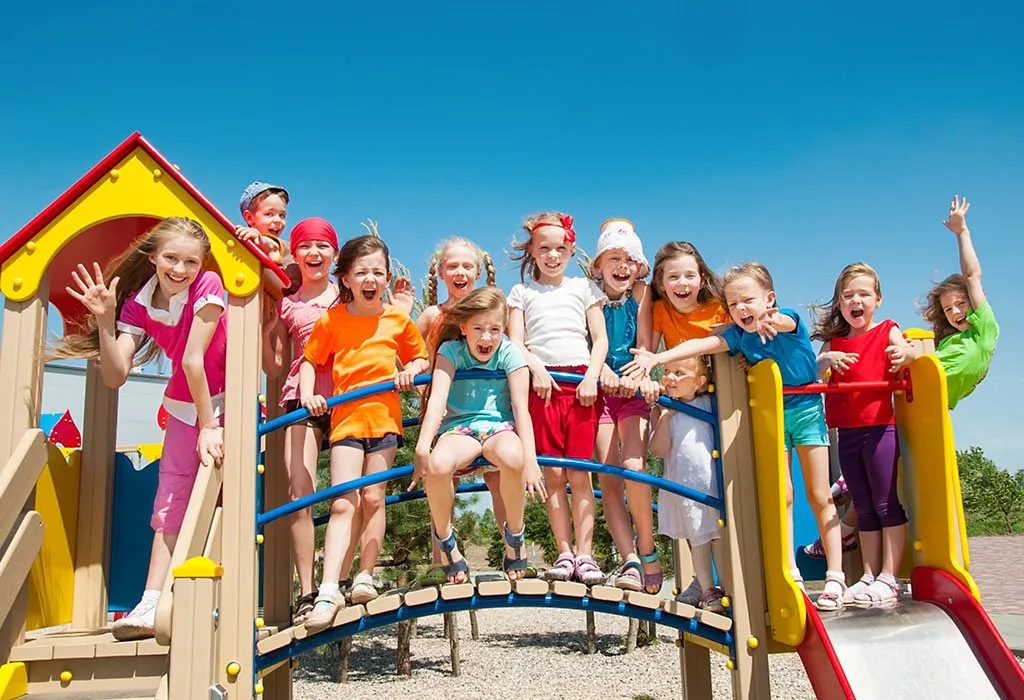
point(321, 423)
point(479, 431)
point(804, 425)
point(564, 427)
point(617, 408)
point(371, 444)
point(179, 465)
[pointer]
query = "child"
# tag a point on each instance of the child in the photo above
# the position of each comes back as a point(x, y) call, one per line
point(474, 418)
point(685, 443)
point(264, 209)
point(313, 246)
point(858, 348)
point(965, 328)
point(763, 331)
point(618, 267)
point(549, 320)
point(685, 294)
point(366, 338)
point(156, 298)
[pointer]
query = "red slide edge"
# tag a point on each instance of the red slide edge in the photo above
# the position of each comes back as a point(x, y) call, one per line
point(939, 588)
point(820, 661)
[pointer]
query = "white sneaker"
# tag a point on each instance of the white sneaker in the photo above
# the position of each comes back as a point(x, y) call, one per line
point(138, 624)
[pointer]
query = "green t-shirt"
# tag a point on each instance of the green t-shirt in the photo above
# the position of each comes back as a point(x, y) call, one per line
point(966, 355)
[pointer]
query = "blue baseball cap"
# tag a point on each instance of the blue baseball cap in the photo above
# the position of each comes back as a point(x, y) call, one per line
point(255, 189)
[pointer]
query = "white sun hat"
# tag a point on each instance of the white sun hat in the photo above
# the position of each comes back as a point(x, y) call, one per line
point(620, 234)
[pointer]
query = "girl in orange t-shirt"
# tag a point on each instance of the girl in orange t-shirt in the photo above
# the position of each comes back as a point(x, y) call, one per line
point(367, 338)
point(686, 305)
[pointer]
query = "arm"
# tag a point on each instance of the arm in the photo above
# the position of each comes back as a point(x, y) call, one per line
point(116, 354)
point(193, 364)
point(519, 390)
point(901, 353)
point(586, 391)
point(543, 384)
point(970, 266)
point(646, 360)
point(661, 440)
point(426, 320)
point(99, 299)
point(275, 340)
point(644, 322)
point(440, 386)
point(314, 403)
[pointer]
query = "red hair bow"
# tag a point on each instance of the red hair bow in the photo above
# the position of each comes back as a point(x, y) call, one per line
point(566, 222)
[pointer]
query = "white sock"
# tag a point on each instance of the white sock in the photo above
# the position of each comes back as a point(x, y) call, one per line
point(887, 578)
point(701, 556)
point(329, 590)
point(151, 595)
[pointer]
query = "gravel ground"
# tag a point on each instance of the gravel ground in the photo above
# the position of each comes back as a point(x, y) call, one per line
point(513, 660)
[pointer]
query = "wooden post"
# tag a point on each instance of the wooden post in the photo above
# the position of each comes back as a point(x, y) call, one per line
point(95, 501)
point(743, 572)
point(453, 641)
point(631, 634)
point(591, 644)
point(474, 626)
point(21, 376)
point(403, 661)
point(694, 660)
point(277, 554)
point(194, 628)
point(238, 610)
point(344, 652)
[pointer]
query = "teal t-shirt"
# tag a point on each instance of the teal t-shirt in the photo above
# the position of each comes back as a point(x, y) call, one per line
point(620, 325)
point(967, 355)
point(480, 400)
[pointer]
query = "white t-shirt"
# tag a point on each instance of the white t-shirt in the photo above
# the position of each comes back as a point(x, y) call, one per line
point(556, 319)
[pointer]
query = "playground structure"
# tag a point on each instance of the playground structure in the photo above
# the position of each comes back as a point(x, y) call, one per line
point(210, 638)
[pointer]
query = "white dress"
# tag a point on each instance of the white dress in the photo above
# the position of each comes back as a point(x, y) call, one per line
point(689, 463)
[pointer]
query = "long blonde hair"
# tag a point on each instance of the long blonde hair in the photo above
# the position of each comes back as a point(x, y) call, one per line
point(479, 301)
point(830, 323)
point(933, 311)
point(133, 269)
point(484, 264)
point(522, 248)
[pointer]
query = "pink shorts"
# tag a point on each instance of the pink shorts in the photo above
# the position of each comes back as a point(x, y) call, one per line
point(179, 465)
point(617, 408)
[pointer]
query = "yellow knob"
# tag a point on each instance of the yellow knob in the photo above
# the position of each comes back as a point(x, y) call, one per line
point(726, 602)
point(260, 623)
point(750, 380)
point(295, 663)
point(30, 246)
point(231, 243)
point(259, 539)
point(17, 282)
point(679, 643)
point(258, 688)
point(784, 613)
point(157, 172)
point(714, 453)
point(721, 523)
point(918, 545)
point(240, 279)
point(675, 591)
point(751, 403)
point(65, 676)
point(263, 399)
point(730, 664)
point(260, 469)
point(234, 669)
point(114, 174)
point(711, 388)
point(753, 643)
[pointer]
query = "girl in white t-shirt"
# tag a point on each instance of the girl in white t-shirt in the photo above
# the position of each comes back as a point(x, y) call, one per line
point(549, 319)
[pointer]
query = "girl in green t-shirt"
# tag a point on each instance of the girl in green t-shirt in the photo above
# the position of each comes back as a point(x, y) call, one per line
point(965, 327)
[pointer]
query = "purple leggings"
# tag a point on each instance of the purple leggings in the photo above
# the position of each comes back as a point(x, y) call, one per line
point(869, 458)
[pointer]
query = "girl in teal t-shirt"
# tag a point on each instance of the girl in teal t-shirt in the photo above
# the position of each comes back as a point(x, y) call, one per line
point(963, 322)
point(477, 417)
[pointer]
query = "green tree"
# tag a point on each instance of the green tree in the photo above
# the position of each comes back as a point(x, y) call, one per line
point(993, 498)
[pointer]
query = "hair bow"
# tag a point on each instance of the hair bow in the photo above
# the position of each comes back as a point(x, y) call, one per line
point(566, 222)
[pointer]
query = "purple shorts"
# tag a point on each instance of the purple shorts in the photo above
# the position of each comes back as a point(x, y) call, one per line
point(617, 408)
point(179, 465)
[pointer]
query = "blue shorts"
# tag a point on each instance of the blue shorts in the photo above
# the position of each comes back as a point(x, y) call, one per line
point(372, 444)
point(804, 425)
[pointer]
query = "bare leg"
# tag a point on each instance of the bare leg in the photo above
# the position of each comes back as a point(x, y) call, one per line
point(346, 464)
point(582, 510)
point(372, 505)
point(814, 463)
point(451, 452)
point(505, 451)
point(160, 559)
point(558, 507)
point(613, 494)
point(302, 449)
point(632, 432)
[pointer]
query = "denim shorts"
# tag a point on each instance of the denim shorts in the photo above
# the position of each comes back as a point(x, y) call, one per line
point(804, 424)
point(372, 444)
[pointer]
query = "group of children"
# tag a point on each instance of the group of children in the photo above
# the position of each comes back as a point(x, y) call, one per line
point(608, 325)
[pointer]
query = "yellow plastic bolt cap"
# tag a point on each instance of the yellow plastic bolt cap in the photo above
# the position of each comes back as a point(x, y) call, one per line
point(30, 246)
point(240, 279)
point(714, 453)
point(753, 643)
point(751, 403)
point(259, 539)
point(65, 676)
point(295, 663)
point(114, 174)
point(726, 602)
point(675, 591)
point(784, 613)
point(711, 388)
point(234, 669)
point(258, 688)
point(918, 544)
point(750, 380)
point(176, 166)
point(17, 282)
point(679, 643)
point(730, 664)
point(260, 469)
point(721, 523)
point(157, 173)
point(231, 243)
point(260, 623)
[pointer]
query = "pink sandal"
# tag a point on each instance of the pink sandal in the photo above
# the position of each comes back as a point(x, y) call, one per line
point(587, 571)
point(563, 568)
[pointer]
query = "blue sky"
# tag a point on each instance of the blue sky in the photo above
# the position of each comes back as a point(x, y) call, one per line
point(801, 134)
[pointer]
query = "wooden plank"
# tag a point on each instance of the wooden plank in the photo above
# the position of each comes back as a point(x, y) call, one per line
point(17, 559)
point(212, 548)
point(684, 610)
point(718, 622)
point(386, 602)
point(420, 596)
point(643, 600)
point(18, 478)
point(610, 594)
point(344, 616)
point(276, 641)
point(493, 584)
point(457, 591)
point(150, 647)
point(570, 589)
point(531, 586)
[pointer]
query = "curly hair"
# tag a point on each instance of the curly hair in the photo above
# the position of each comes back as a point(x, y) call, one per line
point(933, 311)
point(830, 323)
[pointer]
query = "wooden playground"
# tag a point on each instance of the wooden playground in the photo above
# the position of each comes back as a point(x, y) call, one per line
point(222, 624)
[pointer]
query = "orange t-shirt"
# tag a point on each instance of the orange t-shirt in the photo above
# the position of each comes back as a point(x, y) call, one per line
point(677, 327)
point(365, 350)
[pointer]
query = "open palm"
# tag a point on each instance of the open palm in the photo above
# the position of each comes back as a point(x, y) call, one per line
point(96, 296)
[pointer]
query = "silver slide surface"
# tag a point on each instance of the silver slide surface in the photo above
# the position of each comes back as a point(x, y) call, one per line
point(912, 651)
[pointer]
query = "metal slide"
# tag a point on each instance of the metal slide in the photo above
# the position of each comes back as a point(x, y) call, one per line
point(940, 648)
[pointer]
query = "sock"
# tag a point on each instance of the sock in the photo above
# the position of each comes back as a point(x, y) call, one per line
point(702, 565)
point(151, 595)
point(328, 590)
point(887, 578)
point(845, 529)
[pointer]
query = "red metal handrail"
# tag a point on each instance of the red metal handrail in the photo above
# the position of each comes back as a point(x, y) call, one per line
point(845, 387)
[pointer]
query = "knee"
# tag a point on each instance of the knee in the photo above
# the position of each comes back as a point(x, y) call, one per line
point(819, 498)
point(439, 468)
point(343, 507)
point(610, 486)
point(372, 498)
point(555, 477)
point(580, 481)
point(891, 514)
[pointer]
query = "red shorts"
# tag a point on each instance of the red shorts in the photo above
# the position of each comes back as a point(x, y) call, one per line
point(564, 427)
point(617, 408)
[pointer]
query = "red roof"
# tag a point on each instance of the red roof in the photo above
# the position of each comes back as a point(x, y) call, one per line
point(99, 171)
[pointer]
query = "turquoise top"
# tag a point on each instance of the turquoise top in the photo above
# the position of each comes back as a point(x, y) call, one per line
point(480, 400)
point(620, 323)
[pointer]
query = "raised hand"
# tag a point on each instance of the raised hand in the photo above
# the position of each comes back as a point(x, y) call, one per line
point(404, 295)
point(842, 361)
point(641, 365)
point(766, 325)
point(899, 356)
point(99, 299)
point(957, 222)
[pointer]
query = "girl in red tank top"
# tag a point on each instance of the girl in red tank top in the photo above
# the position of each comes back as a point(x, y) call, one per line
point(858, 348)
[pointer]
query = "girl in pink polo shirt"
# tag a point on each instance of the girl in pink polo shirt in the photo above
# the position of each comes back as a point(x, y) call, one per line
point(156, 298)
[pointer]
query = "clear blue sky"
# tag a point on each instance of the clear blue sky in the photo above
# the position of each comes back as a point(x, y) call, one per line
point(800, 134)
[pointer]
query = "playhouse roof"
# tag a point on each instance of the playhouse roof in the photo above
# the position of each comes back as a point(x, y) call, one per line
point(101, 170)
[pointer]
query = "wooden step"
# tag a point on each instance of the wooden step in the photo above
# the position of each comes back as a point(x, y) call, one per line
point(84, 644)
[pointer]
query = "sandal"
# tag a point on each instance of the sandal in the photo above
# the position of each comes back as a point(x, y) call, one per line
point(798, 579)
point(692, 594)
point(322, 615)
point(830, 600)
point(816, 550)
point(516, 541)
point(453, 568)
point(850, 596)
point(563, 568)
point(303, 607)
point(630, 577)
point(345, 588)
point(652, 582)
point(587, 571)
point(363, 590)
point(880, 594)
point(433, 576)
point(711, 600)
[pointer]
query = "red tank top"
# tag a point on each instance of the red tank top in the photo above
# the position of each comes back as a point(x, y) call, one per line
point(861, 409)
